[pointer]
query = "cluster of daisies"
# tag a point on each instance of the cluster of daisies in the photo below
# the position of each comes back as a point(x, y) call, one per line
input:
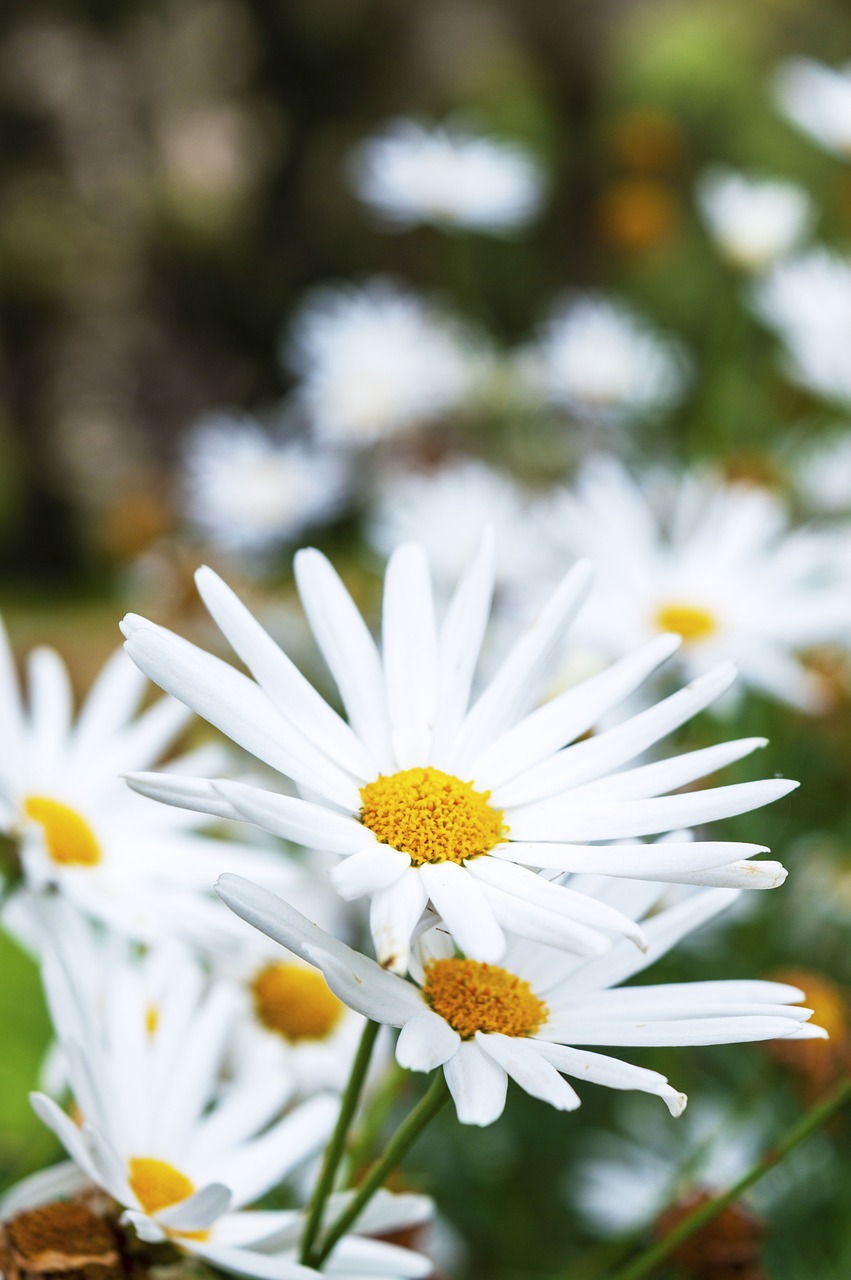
point(482, 834)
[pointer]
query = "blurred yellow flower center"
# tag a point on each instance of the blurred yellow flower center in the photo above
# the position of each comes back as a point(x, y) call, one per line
point(69, 838)
point(152, 1019)
point(686, 620)
point(157, 1184)
point(472, 996)
point(296, 1003)
point(431, 815)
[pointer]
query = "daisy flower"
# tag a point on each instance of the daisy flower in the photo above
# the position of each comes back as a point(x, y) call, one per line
point(753, 222)
point(428, 799)
point(178, 1148)
point(248, 492)
point(375, 362)
point(448, 177)
point(599, 361)
point(817, 98)
point(78, 828)
point(807, 302)
point(713, 561)
point(525, 1017)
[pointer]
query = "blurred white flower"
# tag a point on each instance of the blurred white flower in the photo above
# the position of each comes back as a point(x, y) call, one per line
point(817, 98)
point(246, 491)
point(754, 222)
point(430, 797)
point(822, 474)
point(598, 360)
point(375, 362)
point(807, 302)
point(449, 508)
point(448, 177)
point(142, 869)
point(712, 561)
point(522, 1019)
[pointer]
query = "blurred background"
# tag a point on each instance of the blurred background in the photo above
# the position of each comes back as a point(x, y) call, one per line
point(175, 183)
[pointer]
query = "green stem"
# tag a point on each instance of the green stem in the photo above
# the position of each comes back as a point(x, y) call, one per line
point(334, 1150)
point(699, 1217)
point(404, 1138)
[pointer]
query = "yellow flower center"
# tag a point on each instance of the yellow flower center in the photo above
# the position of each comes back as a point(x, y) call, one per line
point(69, 838)
point(686, 620)
point(431, 815)
point(152, 1019)
point(472, 996)
point(296, 1003)
point(157, 1184)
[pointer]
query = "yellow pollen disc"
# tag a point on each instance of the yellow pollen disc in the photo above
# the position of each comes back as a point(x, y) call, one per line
point(296, 1003)
point(686, 620)
point(431, 815)
point(157, 1184)
point(69, 838)
point(472, 996)
point(152, 1019)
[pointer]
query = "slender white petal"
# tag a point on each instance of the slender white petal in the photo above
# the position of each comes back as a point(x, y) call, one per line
point(464, 909)
point(426, 1042)
point(661, 861)
point(683, 1031)
point(611, 1072)
point(460, 643)
point(298, 820)
point(197, 1211)
point(369, 871)
point(478, 1085)
point(522, 1061)
point(667, 775)
point(393, 915)
point(410, 654)
point(529, 920)
point(198, 794)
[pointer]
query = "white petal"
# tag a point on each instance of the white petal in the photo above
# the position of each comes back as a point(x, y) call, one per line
point(393, 915)
point(410, 654)
point(385, 1212)
point(199, 795)
point(426, 1042)
point(298, 820)
point(665, 860)
point(568, 716)
point(66, 1131)
point(460, 643)
point(245, 1262)
point(51, 704)
point(348, 649)
point(368, 871)
point(736, 875)
point(59, 1182)
point(372, 1259)
point(357, 980)
point(528, 920)
point(611, 1072)
point(464, 910)
point(255, 1167)
point(237, 706)
point(530, 1069)
point(608, 750)
point(683, 1031)
point(667, 775)
point(198, 1211)
point(534, 889)
point(517, 683)
point(477, 1083)
point(110, 703)
point(293, 695)
point(560, 820)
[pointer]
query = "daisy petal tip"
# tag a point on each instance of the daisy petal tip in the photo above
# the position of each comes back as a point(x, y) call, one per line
point(676, 1102)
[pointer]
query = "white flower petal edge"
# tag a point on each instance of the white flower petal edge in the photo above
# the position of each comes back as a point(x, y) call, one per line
point(536, 789)
point(565, 1002)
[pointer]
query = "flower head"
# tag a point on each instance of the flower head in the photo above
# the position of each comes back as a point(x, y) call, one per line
point(817, 98)
point(78, 827)
point(248, 492)
point(714, 562)
point(375, 362)
point(525, 1017)
point(448, 177)
point(753, 222)
point(599, 361)
point(428, 799)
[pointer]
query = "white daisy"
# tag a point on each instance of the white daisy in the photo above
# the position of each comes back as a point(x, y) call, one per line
point(715, 562)
point(180, 1149)
point(375, 362)
point(599, 361)
point(817, 98)
point(807, 302)
point(448, 510)
point(248, 492)
point(523, 1019)
point(822, 474)
point(430, 800)
point(448, 177)
point(78, 827)
point(753, 222)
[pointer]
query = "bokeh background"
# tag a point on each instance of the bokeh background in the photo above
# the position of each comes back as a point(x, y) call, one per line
point(172, 184)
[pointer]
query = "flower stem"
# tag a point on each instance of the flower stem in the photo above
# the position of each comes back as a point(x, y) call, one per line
point(404, 1138)
point(703, 1214)
point(336, 1146)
